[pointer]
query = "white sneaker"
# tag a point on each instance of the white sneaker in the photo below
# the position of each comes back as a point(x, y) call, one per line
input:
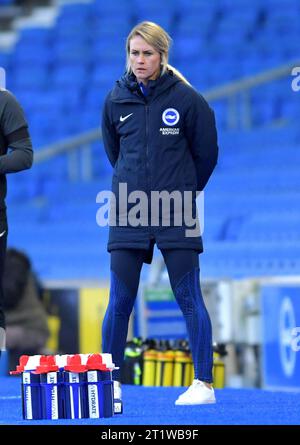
point(197, 394)
point(118, 405)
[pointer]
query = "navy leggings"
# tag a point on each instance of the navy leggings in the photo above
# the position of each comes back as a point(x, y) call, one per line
point(3, 240)
point(183, 270)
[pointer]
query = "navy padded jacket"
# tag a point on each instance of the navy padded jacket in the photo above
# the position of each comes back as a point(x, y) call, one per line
point(164, 141)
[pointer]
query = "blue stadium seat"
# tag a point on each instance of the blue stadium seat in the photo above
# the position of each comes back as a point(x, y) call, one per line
point(70, 75)
point(36, 35)
point(278, 227)
point(187, 47)
point(29, 77)
point(162, 18)
point(71, 52)
point(75, 15)
point(250, 259)
point(103, 75)
point(123, 8)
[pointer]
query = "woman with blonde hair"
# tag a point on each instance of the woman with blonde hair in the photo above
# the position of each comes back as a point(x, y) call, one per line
point(159, 134)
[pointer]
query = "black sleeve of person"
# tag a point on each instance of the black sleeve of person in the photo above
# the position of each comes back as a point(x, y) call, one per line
point(20, 156)
point(15, 135)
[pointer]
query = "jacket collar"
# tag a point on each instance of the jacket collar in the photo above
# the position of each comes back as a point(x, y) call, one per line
point(128, 89)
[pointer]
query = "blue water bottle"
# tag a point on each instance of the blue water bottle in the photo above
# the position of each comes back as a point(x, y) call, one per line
point(100, 388)
point(76, 394)
point(30, 386)
point(51, 382)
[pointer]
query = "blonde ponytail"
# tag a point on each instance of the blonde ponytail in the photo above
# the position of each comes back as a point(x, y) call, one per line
point(178, 74)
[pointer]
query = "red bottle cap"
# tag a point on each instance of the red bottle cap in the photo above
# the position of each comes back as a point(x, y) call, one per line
point(47, 364)
point(74, 364)
point(94, 363)
point(20, 367)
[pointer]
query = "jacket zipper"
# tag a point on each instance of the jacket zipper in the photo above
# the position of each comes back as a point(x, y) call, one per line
point(147, 145)
point(148, 167)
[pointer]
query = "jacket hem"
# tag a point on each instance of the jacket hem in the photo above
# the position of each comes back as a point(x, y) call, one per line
point(128, 245)
point(179, 245)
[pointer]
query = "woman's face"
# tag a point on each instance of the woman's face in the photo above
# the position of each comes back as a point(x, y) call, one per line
point(144, 60)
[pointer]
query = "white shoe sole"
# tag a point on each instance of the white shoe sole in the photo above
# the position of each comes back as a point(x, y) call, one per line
point(178, 402)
